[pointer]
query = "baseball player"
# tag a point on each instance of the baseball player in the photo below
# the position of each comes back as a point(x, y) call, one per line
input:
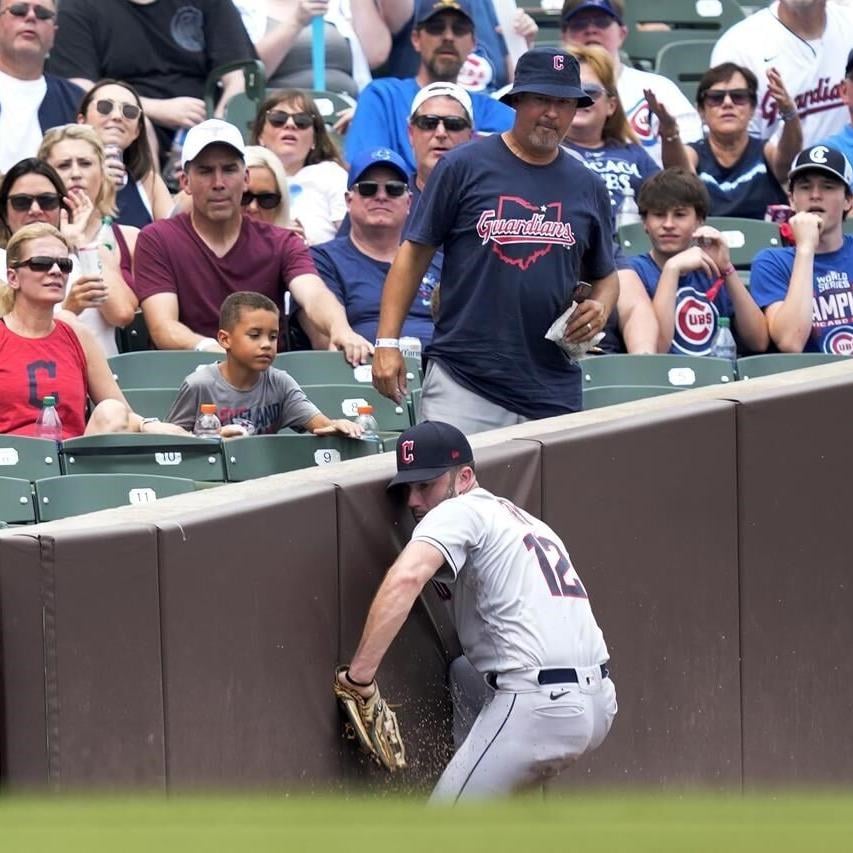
point(522, 614)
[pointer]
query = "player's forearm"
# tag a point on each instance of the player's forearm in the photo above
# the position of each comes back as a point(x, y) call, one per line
point(401, 285)
point(791, 324)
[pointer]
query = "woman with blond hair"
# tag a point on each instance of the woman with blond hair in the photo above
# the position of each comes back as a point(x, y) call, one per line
point(267, 198)
point(601, 134)
point(41, 355)
point(76, 152)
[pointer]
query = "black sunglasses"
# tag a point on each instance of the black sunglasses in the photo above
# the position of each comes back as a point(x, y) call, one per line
point(44, 263)
point(22, 202)
point(368, 189)
point(20, 10)
point(715, 97)
point(593, 91)
point(105, 107)
point(278, 118)
point(452, 124)
point(267, 201)
point(459, 26)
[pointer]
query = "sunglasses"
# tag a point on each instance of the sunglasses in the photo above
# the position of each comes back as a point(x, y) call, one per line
point(593, 91)
point(44, 263)
point(452, 124)
point(106, 106)
point(266, 201)
point(22, 202)
point(21, 10)
point(368, 189)
point(278, 118)
point(715, 97)
point(581, 22)
point(458, 26)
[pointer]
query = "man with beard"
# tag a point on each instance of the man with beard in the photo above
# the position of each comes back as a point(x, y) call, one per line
point(807, 41)
point(443, 36)
point(519, 219)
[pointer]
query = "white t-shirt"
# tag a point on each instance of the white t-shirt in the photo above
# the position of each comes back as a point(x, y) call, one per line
point(20, 131)
point(812, 71)
point(631, 83)
point(518, 602)
point(317, 199)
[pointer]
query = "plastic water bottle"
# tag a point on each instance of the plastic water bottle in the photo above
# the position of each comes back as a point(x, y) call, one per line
point(48, 424)
point(628, 212)
point(207, 424)
point(724, 345)
point(365, 419)
point(105, 237)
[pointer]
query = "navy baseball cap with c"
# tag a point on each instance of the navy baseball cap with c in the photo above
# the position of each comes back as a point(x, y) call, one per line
point(551, 72)
point(822, 158)
point(427, 8)
point(597, 5)
point(426, 451)
point(376, 157)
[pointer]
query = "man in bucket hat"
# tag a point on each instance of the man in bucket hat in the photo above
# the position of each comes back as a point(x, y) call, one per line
point(520, 221)
point(522, 614)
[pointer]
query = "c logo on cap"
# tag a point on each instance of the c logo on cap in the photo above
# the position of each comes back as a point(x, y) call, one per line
point(559, 63)
point(818, 154)
point(407, 452)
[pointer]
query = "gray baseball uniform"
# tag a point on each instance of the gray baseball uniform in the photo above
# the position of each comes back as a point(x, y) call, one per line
point(525, 623)
point(275, 401)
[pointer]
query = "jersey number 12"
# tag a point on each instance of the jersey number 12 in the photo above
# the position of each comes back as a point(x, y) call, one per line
point(557, 575)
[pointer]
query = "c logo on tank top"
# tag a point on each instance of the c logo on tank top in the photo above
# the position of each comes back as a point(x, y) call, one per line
point(695, 322)
point(517, 224)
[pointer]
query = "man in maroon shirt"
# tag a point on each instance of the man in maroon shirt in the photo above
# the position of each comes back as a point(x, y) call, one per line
point(184, 267)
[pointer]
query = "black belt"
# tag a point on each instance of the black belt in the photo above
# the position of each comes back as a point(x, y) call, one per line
point(551, 676)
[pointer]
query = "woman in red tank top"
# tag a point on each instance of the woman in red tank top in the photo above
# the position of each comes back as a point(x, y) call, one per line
point(41, 356)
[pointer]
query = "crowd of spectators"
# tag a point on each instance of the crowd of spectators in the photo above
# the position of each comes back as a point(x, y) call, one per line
point(446, 179)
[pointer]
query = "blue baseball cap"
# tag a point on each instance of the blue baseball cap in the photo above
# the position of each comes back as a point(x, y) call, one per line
point(598, 5)
point(551, 72)
point(376, 157)
point(427, 8)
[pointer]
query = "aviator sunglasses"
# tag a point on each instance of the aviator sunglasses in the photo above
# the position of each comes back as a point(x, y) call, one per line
point(368, 189)
point(458, 26)
point(105, 107)
point(715, 97)
point(20, 10)
point(278, 118)
point(22, 202)
point(266, 201)
point(593, 91)
point(44, 263)
point(452, 124)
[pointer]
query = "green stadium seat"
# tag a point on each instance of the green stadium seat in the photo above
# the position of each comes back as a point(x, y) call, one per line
point(261, 455)
point(27, 458)
point(60, 497)
point(243, 107)
point(753, 366)
point(341, 401)
point(611, 395)
point(666, 370)
point(329, 104)
point(684, 62)
point(848, 226)
point(131, 453)
point(158, 368)
point(16, 501)
point(324, 367)
point(151, 402)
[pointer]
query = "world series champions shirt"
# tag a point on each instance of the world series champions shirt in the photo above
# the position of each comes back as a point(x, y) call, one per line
point(515, 238)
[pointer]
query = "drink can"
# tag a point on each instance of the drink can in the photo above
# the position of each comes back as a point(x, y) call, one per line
point(90, 260)
point(114, 152)
point(778, 213)
point(410, 347)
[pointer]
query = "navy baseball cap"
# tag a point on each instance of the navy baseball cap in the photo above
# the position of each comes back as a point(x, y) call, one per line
point(551, 72)
point(426, 451)
point(427, 8)
point(376, 157)
point(598, 5)
point(822, 158)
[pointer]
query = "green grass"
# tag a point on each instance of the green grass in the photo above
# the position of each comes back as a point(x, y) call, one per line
point(582, 823)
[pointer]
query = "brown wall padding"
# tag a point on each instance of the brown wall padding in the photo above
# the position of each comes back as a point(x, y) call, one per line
point(797, 585)
point(372, 529)
point(647, 508)
point(249, 612)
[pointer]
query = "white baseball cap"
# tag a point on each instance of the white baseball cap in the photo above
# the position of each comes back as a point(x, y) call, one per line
point(210, 132)
point(446, 90)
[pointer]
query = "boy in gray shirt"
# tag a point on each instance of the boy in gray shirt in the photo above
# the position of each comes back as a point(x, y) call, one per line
point(252, 397)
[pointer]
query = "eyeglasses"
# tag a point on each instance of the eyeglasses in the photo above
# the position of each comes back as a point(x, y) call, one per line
point(715, 97)
point(458, 26)
point(106, 106)
point(22, 202)
point(45, 263)
point(278, 118)
point(593, 91)
point(452, 124)
point(266, 201)
point(581, 22)
point(368, 189)
point(21, 10)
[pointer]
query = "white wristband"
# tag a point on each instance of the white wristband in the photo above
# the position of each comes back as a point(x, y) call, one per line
point(204, 343)
point(391, 343)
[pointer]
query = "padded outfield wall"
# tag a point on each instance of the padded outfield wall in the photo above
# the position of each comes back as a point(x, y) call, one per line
point(191, 643)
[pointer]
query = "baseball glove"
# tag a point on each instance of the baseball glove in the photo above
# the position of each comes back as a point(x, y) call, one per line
point(373, 724)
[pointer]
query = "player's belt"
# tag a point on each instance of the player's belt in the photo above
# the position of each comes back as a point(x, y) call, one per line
point(564, 676)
